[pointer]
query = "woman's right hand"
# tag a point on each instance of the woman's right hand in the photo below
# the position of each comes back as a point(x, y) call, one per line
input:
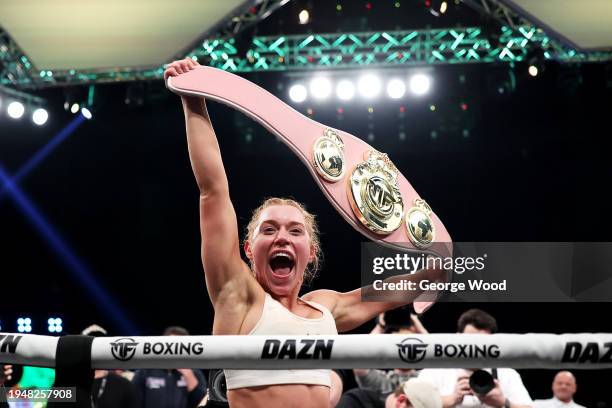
point(179, 67)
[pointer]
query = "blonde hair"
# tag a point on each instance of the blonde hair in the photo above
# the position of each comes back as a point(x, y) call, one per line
point(311, 227)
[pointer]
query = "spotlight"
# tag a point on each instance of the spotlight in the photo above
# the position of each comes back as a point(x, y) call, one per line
point(437, 7)
point(24, 325)
point(40, 116)
point(55, 325)
point(345, 90)
point(86, 113)
point(419, 84)
point(396, 88)
point(75, 108)
point(369, 86)
point(304, 16)
point(535, 58)
point(320, 88)
point(15, 109)
point(298, 93)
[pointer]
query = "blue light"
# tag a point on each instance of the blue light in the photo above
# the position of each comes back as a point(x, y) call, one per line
point(28, 329)
point(65, 253)
point(58, 329)
point(20, 329)
point(27, 321)
point(20, 321)
point(51, 321)
point(58, 321)
point(51, 329)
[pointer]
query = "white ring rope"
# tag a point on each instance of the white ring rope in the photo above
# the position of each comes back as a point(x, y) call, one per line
point(585, 350)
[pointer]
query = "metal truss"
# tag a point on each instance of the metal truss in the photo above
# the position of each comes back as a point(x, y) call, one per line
point(389, 48)
point(16, 70)
point(505, 16)
point(257, 12)
point(349, 50)
point(498, 11)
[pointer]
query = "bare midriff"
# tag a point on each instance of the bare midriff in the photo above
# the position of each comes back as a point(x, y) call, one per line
point(280, 396)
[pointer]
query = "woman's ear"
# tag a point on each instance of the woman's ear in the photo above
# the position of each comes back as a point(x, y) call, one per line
point(247, 250)
point(313, 253)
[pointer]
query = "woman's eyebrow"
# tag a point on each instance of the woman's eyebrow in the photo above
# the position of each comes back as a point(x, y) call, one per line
point(275, 223)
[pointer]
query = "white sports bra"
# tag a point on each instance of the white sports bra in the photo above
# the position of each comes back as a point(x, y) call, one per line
point(277, 320)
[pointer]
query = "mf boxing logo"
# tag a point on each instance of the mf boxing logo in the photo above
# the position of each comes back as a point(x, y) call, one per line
point(469, 351)
point(124, 349)
point(576, 352)
point(412, 350)
point(8, 343)
point(291, 349)
point(173, 349)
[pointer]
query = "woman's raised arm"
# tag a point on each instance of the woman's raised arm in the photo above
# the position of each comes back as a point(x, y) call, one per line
point(224, 269)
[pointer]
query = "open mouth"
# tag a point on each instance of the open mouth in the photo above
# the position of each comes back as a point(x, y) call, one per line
point(282, 263)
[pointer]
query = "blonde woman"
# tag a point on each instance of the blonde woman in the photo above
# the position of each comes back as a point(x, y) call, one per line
point(261, 297)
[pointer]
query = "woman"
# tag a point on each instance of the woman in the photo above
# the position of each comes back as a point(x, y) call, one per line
point(282, 246)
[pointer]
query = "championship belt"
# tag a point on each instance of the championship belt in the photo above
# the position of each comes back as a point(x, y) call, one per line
point(362, 184)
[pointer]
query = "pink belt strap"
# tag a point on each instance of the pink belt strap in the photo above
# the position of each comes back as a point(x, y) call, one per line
point(362, 184)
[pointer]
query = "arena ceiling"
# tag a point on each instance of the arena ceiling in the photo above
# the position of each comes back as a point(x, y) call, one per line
point(102, 34)
point(585, 25)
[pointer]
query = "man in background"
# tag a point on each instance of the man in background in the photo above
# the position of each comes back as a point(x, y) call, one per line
point(563, 387)
point(376, 385)
point(110, 390)
point(414, 393)
point(454, 386)
point(180, 388)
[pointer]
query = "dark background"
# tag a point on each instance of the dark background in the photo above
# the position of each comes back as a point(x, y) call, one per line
point(533, 166)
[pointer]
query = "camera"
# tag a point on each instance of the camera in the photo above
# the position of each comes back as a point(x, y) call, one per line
point(217, 388)
point(482, 382)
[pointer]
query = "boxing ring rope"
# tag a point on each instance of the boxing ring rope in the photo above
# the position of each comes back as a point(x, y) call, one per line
point(585, 351)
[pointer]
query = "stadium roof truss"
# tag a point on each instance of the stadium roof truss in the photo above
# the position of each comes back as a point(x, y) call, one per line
point(513, 40)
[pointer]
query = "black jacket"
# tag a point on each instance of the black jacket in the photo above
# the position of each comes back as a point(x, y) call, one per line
point(166, 388)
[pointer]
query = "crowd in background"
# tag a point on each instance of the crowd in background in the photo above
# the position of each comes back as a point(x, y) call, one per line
point(398, 388)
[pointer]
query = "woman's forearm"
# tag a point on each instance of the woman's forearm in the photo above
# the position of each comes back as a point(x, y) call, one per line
point(204, 151)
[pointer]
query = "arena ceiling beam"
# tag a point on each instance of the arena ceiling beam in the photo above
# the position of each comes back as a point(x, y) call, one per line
point(327, 51)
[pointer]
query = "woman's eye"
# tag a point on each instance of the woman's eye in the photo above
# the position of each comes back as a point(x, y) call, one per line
point(296, 231)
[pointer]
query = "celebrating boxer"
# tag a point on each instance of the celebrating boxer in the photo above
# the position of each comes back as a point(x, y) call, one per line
point(261, 298)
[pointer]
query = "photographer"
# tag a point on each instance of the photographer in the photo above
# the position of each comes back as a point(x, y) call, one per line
point(376, 385)
point(507, 389)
